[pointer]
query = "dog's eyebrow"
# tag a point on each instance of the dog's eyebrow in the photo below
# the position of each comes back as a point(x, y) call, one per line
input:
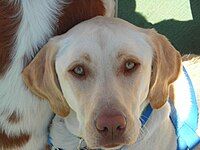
point(86, 57)
point(123, 54)
point(83, 58)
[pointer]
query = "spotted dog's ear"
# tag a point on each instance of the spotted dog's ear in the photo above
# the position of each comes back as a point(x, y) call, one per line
point(41, 78)
point(165, 68)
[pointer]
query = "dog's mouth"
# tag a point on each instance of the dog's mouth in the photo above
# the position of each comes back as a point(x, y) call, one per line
point(110, 146)
point(113, 146)
point(108, 143)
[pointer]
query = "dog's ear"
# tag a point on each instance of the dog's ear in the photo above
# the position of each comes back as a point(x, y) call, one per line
point(41, 78)
point(165, 68)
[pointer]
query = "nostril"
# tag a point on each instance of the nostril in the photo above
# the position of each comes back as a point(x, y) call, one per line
point(119, 128)
point(101, 127)
point(105, 129)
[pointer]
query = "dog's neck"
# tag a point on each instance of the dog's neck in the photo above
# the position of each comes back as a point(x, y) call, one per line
point(72, 124)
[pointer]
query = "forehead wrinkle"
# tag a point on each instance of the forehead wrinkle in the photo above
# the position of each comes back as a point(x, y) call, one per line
point(85, 57)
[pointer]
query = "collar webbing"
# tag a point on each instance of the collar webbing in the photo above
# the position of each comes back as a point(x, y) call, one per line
point(145, 114)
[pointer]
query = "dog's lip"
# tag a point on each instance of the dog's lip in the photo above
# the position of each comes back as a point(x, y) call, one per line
point(111, 145)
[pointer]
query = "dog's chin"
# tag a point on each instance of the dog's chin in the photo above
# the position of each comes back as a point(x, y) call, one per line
point(108, 147)
point(111, 145)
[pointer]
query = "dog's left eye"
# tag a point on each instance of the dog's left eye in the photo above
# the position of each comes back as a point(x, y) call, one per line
point(129, 67)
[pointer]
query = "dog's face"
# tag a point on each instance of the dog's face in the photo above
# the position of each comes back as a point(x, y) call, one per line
point(104, 70)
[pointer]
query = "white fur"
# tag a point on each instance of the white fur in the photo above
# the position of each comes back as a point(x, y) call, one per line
point(66, 140)
point(36, 27)
point(110, 7)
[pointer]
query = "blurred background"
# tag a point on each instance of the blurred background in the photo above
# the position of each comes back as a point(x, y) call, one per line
point(178, 20)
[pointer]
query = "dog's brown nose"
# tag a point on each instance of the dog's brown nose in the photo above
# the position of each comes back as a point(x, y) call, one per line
point(111, 123)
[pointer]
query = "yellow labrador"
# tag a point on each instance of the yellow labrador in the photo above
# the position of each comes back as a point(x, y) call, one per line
point(100, 76)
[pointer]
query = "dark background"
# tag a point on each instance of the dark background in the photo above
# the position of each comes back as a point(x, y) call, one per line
point(178, 20)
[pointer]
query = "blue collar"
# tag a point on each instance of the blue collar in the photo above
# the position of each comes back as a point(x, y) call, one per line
point(187, 137)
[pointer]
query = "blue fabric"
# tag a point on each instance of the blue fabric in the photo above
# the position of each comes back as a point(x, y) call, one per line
point(187, 137)
point(146, 114)
point(50, 143)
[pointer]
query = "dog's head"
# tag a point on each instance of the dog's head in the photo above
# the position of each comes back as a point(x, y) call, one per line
point(102, 70)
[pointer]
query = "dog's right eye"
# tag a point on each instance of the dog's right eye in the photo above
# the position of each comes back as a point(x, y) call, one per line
point(78, 71)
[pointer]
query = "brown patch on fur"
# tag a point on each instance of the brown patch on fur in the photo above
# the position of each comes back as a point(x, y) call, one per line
point(77, 11)
point(8, 142)
point(9, 22)
point(14, 118)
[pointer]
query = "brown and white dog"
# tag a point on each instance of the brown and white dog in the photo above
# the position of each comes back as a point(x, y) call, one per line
point(101, 75)
point(25, 26)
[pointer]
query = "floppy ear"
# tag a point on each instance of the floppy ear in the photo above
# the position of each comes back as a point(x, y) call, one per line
point(165, 69)
point(41, 78)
